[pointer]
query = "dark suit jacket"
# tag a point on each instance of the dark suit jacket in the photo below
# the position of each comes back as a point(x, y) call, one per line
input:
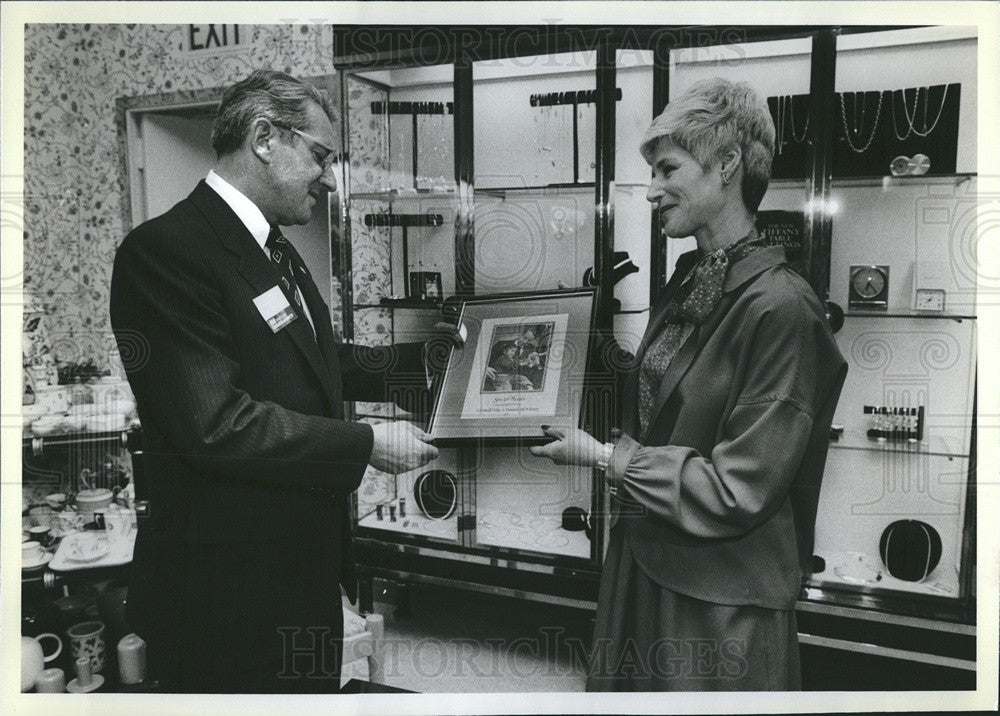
point(718, 498)
point(249, 463)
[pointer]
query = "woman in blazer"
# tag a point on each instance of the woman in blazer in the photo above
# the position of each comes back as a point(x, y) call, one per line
point(725, 425)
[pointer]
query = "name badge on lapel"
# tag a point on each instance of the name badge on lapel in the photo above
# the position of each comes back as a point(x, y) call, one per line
point(275, 309)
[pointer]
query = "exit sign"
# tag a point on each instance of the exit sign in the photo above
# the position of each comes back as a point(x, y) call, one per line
point(213, 38)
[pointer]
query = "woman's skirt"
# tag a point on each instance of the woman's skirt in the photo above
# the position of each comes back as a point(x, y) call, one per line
point(649, 638)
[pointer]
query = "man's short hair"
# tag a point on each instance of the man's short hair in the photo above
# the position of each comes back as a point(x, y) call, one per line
point(277, 96)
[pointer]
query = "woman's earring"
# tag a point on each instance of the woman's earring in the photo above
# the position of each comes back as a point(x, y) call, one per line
point(725, 178)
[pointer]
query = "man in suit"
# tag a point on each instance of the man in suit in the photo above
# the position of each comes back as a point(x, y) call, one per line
point(240, 384)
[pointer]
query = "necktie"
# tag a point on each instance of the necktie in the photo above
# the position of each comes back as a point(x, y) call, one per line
point(280, 251)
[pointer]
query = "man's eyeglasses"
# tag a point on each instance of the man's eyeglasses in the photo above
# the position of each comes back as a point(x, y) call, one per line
point(323, 153)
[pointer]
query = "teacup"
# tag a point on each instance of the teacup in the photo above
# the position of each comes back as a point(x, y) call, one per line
point(41, 515)
point(42, 534)
point(31, 552)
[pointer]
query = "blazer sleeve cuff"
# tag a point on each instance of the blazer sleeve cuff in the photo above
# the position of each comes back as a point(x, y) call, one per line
point(358, 441)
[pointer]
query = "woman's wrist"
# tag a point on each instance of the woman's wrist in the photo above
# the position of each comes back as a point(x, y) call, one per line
point(604, 457)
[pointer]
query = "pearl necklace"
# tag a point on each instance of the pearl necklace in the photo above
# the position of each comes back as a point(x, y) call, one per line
point(843, 116)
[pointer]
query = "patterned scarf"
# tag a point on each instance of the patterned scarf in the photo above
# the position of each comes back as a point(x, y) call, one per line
point(696, 298)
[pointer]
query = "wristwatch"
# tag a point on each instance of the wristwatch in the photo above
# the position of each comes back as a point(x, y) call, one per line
point(605, 457)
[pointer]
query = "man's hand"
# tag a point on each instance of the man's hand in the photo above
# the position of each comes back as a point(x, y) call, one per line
point(455, 335)
point(400, 446)
point(570, 447)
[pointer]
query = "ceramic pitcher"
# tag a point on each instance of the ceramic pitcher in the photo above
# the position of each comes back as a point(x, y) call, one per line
point(33, 659)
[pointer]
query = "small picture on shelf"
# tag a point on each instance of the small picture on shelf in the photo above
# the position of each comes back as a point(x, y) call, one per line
point(518, 358)
point(425, 285)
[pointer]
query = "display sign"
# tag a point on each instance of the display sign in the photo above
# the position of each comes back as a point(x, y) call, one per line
point(214, 38)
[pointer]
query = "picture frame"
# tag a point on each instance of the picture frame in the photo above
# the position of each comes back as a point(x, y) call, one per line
point(425, 285)
point(524, 364)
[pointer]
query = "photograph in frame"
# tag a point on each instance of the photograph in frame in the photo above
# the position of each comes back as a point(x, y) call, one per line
point(523, 365)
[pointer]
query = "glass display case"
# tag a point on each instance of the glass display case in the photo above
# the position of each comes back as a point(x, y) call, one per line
point(410, 242)
point(398, 217)
point(515, 168)
point(902, 265)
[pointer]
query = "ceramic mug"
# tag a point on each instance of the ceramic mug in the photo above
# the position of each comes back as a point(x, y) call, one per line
point(86, 640)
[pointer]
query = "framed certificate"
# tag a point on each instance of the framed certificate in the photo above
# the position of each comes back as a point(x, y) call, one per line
point(523, 365)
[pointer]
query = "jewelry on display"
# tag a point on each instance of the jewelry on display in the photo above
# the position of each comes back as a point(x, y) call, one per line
point(910, 549)
point(920, 164)
point(785, 107)
point(791, 121)
point(575, 519)
point(436, 493)
point(779, 124)
point(847, 132)
point(927, 96)
point(892, 110)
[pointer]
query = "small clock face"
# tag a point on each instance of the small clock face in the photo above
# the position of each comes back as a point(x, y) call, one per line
point(869, 288)
point(868, 282)
point(930, 299)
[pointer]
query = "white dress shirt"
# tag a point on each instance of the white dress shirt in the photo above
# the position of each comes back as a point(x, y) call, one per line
point(253, 219)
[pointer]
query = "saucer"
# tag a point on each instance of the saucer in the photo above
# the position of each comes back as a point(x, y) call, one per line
point(36, 563)
point(81, 549)
point(75, 687)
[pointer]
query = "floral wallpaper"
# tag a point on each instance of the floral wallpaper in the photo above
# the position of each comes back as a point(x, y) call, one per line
point(74, 184)
point(370, 255)
point(368, 136)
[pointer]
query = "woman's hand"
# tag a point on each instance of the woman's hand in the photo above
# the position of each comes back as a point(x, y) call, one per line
point(570, 447)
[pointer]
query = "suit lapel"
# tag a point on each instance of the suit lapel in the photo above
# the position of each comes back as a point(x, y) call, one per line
point(321, 319)
point(260, 274)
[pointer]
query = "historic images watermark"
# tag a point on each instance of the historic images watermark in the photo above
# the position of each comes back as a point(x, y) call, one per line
point(314, 653)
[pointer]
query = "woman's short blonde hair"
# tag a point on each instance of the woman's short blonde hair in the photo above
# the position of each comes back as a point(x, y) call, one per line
point(713, 116)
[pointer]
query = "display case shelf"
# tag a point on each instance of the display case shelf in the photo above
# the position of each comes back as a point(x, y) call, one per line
point(503, 190)
point(388, 302)
point(885, 181)
point(390, 194)
point(906, 180)
point(930, 445)
point(914, 314)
